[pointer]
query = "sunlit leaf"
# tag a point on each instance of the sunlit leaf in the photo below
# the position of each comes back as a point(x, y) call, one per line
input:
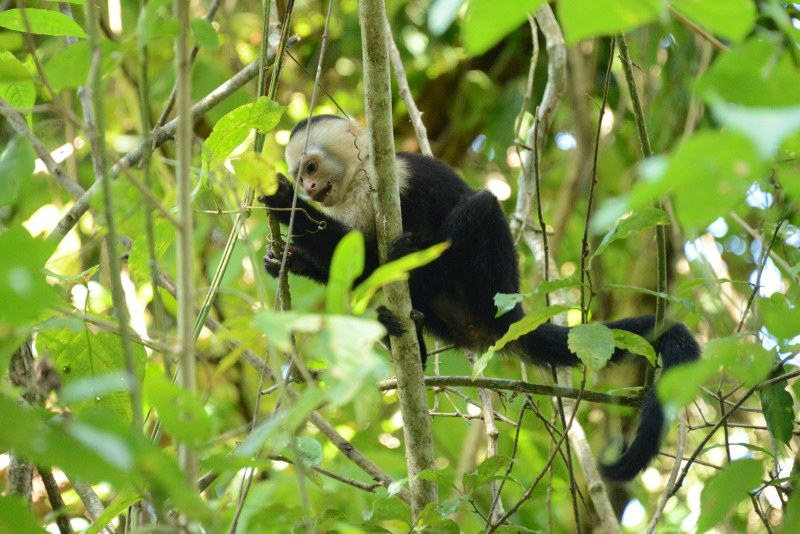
point(582, 20)
point(781, 319)
point(731, 19)
point(42, 21)
point(756, 73)
point(486, 25)
point(85, 356)
point(765, 127)
point(232, 129)
point(255, 170)
point(12, 69)
point(346, 266)
point(120, 503)
point(310, 450)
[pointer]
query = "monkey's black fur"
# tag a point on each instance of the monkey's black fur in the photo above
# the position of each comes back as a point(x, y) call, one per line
point(455, 293)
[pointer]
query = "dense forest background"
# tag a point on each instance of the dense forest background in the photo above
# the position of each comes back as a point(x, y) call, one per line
point(135, 315)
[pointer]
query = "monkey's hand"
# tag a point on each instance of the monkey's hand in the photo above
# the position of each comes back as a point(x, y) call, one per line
point(294, 261)
point(392, 324)
point(403, 245)
point(282, 197)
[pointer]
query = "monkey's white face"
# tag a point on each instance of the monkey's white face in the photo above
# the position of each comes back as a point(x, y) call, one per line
point(322, 177)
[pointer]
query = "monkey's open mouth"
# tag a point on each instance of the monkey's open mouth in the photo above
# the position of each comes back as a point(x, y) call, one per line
point(322, 195)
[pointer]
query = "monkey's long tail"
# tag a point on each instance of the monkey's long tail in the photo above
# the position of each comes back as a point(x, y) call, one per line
point(547, 345)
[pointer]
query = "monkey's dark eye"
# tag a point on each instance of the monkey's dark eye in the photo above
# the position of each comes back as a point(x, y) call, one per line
point(311, 167)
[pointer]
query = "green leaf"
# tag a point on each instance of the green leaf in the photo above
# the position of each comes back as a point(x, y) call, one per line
point(582, 20)
point(638, 221)
point(778, 407)
point(16, 517)
point(82, 358)
point(16, 167)
point(485, 25)
point(686, 303)
point(232, 129)
point(388, 510)
point(179, 411)
point(155, 20)
point(70, 66)
point(328, 514)
point(435, 476)
point(139, 258)
point(12, 69)
point(781, 319)
point(725, 163)
point(505, 302)
point(731, 19)
point(41, 21)
point(254, 170)
point(24, 292)
point(310, 450)
point(21, 94)
point(396, 485)
point(392, 272)
point(488, 469)
point(726, 489)
point(766, 127)
point(347, 265)
point(431, 521)
point(792, 514)
point(204, 34)
point(555, 285)
point(635, 344)
point(756, 73)
point(120, 503)
point(592, 343)
point(520, 328)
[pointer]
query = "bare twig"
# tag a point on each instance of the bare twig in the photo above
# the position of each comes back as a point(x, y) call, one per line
point(676, 467)
point(697, 30)
point(56, 502)
point(330, 474)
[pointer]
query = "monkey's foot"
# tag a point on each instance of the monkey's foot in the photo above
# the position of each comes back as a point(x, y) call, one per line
point(392, 324)
point(403, 245)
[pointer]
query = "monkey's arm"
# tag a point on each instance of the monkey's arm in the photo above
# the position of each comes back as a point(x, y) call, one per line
point(315, 236)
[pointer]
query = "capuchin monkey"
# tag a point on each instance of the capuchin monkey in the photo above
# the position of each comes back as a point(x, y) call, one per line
point(454, 294)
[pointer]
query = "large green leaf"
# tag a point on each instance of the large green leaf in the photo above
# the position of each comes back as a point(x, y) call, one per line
point(582, 20)
point(766, 127)
point(16, 517)
point(204, 34)
point(635, 344)
point(41, 21)
point(256, 171)
point(69, 67)
point(726, 489)
point(346, 266)
point(708, 175)
point(93, 366)
point(12, 69)
point(487, 22)
point(592, 343)
point(731, 19)
point(756, 73)
point(232, 129)
point(391, 509)
point(781, 319)
point(24, 292)
point(16, 166)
